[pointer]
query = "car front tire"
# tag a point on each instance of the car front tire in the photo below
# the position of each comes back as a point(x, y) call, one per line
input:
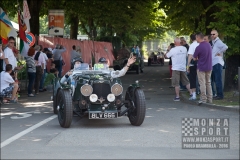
point(137, 115)
point(65, 112)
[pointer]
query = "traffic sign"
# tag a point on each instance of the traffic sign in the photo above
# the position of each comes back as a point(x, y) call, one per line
point(30, 39)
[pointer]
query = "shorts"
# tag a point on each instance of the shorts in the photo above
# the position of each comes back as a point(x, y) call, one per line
point(178, 76)
point(7, 92)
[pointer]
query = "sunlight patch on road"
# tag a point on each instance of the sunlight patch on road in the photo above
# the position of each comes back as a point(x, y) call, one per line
point(46, 104)
point(36, 140)
point(127, 140)
point(163, 131)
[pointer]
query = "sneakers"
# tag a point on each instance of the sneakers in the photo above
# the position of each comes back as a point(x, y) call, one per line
point(217, 98)
point(200, 102)
point(192, 98)
point(31, 95)
point(176, 99)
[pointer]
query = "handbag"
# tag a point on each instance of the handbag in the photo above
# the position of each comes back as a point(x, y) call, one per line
point(63, 63)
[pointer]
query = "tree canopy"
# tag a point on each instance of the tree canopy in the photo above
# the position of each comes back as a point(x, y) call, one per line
point(134, 21)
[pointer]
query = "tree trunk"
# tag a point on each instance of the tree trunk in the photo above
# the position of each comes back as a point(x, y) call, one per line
point(209, 18)
point(34, 9)
point(232, 64)
point(74, 27)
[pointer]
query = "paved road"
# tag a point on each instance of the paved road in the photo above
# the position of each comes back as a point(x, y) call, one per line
point(31, 131)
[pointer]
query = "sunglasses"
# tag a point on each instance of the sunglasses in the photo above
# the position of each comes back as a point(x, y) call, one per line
point(212, 34)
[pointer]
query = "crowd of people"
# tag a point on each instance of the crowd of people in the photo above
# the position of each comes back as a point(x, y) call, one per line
point(198, 66)
point(37, 60)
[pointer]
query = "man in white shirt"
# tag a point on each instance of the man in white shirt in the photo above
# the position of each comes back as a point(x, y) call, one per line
point(9, 57)
point(39, 58)
point(44, 53)
point(8, 87)
point(178, 55)
point(192, 66)
point(218, 48)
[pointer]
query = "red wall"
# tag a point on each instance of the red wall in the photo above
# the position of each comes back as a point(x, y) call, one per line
point(102, 49)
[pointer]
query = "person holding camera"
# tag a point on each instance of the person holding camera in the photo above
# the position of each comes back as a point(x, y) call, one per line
point(9, 57)
point(57, 56)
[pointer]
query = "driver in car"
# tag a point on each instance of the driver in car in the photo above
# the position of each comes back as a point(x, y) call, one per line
point(122, 72)
point(102, 60)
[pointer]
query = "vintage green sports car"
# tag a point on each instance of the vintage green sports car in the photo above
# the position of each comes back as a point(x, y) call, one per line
point(137, 66)
point(98, 93)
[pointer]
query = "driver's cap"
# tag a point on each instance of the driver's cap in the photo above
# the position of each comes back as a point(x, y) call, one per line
point(77, 59)
point(102, 60)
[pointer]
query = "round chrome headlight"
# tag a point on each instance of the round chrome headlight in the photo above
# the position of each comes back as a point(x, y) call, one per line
point(86, 90)
point(111, 97)
point(93, 98)
point(117, 89)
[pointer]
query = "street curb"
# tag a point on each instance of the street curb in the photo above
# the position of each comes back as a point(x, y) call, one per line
point(185, 99)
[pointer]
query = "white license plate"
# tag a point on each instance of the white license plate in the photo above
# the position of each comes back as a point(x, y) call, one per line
point(103, 115)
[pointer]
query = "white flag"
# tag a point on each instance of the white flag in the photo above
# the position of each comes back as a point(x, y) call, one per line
point(26, 15)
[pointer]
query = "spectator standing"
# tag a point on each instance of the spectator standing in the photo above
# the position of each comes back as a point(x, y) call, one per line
point(203, 53)
point(161, 57)
point(137, 51)
point(192, 66)
point(1, 58)
point(133, 49)
point(78, 49)
point(44, 53)
point(207, 38)
point(39, 58)
point(9, 57)
point(74, 55)
point(172, 45)
point(31, 69)
point(57, 56)
point(178, 55)
point(8, 87)
point(218, 49)
point(10, 54)
point(50, 58)
point(184, 43)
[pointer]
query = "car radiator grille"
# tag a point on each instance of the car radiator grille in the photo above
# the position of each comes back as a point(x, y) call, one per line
point(101, 89)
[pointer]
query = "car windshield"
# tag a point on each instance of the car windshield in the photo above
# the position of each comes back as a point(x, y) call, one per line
point(100, 67)
point(83, 66)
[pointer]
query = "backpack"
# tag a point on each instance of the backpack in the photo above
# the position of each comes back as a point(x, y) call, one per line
point(37, 56)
